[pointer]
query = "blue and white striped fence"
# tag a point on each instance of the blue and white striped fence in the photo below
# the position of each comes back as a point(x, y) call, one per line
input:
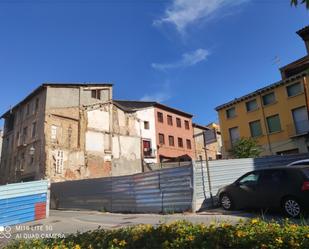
point(23, 202)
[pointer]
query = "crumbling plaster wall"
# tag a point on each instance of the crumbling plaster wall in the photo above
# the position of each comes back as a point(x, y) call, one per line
point(67, 156)
point(112, 140)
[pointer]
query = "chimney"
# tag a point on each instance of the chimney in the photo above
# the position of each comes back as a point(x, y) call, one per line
point(304, 34)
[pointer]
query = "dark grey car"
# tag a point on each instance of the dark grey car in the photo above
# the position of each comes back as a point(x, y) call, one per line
point(281, 187)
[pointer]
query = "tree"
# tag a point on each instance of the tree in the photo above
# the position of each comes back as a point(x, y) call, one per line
point(296, 2)
point(246, 148)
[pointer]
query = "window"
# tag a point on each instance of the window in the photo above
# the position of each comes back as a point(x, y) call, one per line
point(300, 120)
point(147, 148)
point(53, 134)
point(273, 123)
point(269, 98)
point(169, 120)
point(17, 138)
point(231, 113)
point(188, 144)
point(234, 134)
point(187, 126)
point(22, 159)
point(96, 94)
point(146, 125)
point(37, 104)
point(33, 130)
point(161, 138)
point(171, 141)
point(273, 177)
point(9, 123)
point(28, 109)
point(178, 122)
point(25, 133)
point(160, 117)
point(294, 89)
point(255, 128)
point(180, 142)
point(251, 105)
point(249, 180)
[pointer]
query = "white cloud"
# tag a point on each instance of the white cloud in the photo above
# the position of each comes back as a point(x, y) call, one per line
point(182, 13)
point(188, 59)
point(159, 96)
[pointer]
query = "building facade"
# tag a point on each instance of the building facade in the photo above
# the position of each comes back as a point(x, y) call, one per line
point(1, 134)
point(208, 137)
point(69, 131)
point(276, 115)
point(167, 133)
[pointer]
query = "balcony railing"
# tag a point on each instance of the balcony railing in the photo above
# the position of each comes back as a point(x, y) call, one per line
point(298, 128)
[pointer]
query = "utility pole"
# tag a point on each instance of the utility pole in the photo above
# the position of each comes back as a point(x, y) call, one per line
point(207, 167)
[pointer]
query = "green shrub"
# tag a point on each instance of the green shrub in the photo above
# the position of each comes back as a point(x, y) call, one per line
point(255, 234)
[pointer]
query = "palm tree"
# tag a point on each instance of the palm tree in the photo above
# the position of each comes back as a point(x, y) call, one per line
point(296, 2)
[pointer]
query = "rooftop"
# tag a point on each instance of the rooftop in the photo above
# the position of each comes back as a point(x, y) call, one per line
point(260, 91)
point(44, 85)
point(133, 105)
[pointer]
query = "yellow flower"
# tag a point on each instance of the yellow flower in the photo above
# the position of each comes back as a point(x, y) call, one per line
point(240, 234)
point(254, 221)
point(122, 243)
point(307, 235)
point(279, 240)
point(225, 225)
point(115, 241)
point(191, 237)
point(77, 247)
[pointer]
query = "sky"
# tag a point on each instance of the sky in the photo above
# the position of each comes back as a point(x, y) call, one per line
point(189, 54)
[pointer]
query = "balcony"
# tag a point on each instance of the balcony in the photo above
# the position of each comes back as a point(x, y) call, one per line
point(149, 153)
point(298, 128)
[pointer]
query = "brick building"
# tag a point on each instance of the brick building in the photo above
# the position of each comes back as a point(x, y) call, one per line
point(167, 133)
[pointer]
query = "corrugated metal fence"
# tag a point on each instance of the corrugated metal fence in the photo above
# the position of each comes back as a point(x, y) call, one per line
point(166, 190)
point(23, 202)
point(223, 172)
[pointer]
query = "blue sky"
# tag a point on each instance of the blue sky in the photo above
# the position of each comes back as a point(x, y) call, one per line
point(192, 55)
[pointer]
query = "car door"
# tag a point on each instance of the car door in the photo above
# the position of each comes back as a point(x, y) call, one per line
point(246, 189)
point(271, 187)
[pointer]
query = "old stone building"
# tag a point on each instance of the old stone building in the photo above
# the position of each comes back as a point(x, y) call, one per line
point(208, 137)
point(69, 131)
point(1, 134)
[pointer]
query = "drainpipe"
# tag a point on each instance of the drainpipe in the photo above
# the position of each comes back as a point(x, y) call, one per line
point(265, 122)
point(306, 92)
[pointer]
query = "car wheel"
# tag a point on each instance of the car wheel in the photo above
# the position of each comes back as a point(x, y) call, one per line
point(291, 207)
point(226, 202)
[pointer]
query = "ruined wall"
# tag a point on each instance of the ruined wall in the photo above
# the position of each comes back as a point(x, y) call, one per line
point(65, 156)
point(75, 96)
point(112, 141)
point(75, 150)
point(126, 155)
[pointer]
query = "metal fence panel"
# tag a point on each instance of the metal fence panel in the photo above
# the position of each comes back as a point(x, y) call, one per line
point(223, 172)
point(166, 190)
point(23, 202)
